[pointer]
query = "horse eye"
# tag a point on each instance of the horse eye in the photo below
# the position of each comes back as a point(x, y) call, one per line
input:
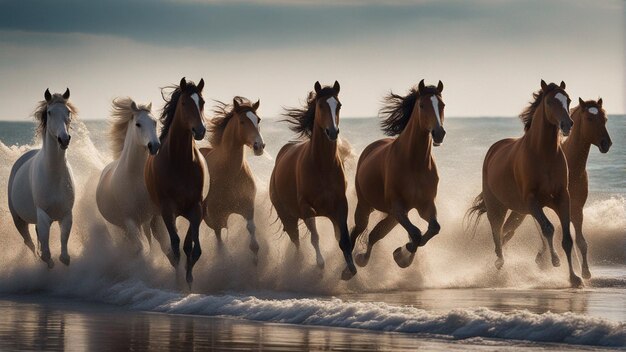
point(138, 124)
point(421, 106)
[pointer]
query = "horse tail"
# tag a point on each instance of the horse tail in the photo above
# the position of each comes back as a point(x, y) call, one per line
point(474, 213)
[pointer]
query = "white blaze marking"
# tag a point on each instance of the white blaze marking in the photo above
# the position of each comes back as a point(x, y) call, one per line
point(253, 118)
point(196, 99)
point(593, 111)
point(435, 102)
point(563, 99)
point(332, 103)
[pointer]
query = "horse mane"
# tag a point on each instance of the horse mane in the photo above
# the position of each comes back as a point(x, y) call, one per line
point(301, 119)
point(527, 114)
point(396, 111)
point(121, 115)
point(41, 111)
point(223, 112)
point(171, 101)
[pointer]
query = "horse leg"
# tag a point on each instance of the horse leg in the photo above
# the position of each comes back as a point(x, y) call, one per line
point(22, 228)
point(192, 241)
point(66, 227)
point(170, 224)
point(315, 241)
point(254, 245)
point(495, 215)
point(539, 259)
point(577, 220)
point(378, 232)
point(133, 233)
point(547, 229)
point(159, 230)
point(511, 224)
point(43, 236)
point(290, 226)
point(361, 219)
point(429, 213)
point(145, 228)
point(563, 211)
point(404, 255)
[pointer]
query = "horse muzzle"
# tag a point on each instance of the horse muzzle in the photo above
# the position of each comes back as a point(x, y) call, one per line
point(332, 133)
point(605, 145)
point(153, 148)
point(198, 134)
point(566, 126)
point(259, 148)
point(64, 142)
point(438, 135)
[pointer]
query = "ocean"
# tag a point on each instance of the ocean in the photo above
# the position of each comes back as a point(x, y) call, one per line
point(450, 298)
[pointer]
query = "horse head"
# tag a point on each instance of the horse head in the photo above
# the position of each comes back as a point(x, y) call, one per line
point(327, 109)
point(55, 119)
point(591, 122)
point(556, 106)
point(430, 106)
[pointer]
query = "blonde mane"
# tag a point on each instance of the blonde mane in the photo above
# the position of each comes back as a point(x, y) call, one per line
point(121, 115)
point(41, 111)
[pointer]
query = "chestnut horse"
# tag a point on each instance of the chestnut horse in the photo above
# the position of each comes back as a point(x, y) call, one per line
point(175, 176)
point(395, 175)
point(232, 189)
point(529, 173)
point(308, 179)
point(589, 128)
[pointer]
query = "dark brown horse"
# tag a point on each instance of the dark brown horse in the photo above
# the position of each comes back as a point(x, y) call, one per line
point(232, 189)
point(308, 179)
point(395, 175)
point(175, 176)
point(525, 175)
point(589, 128)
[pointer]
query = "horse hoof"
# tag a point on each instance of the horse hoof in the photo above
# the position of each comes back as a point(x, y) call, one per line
point(576, 281)
point(254, 247)
point(50, 263)
point(65, 259)
point(347, 274)
point(539, 259)
point(499, 263)
point(586, 274)
point(556, 262)
point(255, 260)
point(361, 259)
point(189, 279)
point(320, 263)
point(403, 257)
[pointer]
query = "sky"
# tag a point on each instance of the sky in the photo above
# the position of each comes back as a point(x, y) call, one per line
point(490, 54)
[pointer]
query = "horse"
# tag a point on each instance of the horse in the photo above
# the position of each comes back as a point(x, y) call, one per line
point(122, 197)
point(231, 185)
point(308, 178)
point(589, 128)
point(395, 175)
point(175, 176)
point(526, 174)
point(41, 184)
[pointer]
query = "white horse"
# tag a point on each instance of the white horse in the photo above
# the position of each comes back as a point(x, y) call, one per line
point(121, 195)
point(41, 185)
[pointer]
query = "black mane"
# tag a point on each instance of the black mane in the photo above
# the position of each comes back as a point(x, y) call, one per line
point(396, 111)
point(301, 119)
point(171, 101)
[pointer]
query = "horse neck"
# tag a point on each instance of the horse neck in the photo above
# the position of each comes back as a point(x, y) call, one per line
point(54, 156)
point(322, 150)
point(576, 149)
point(543, 137)
point(133, 156)
point(414, 143)
point(230, 151)
point(179, 140)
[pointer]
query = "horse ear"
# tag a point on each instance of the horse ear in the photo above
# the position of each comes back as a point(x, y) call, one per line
point(47, 95)
point(544, 85)
point(201, 84)
point(318, 87)
point(236, 103)
point(562, 85)
point(183, 83)
point(66, 95)
point(421, 86)
point(581, 102)
point(600, 102)
point(336, 87)
point(255, 106)
point(133, 106)
point(440, 87)
point(149, 107)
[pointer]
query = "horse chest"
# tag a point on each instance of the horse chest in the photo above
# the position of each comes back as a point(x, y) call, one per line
point(54, 192)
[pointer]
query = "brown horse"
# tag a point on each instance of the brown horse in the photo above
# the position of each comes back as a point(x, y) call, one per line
point(175, 176)
point(589, 128)
point(232, 189)
point(395, 175)
point(529, 173)
point(308, 179)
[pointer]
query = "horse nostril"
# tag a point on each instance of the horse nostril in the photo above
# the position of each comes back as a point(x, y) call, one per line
point(327, 132)
point(150, 146)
